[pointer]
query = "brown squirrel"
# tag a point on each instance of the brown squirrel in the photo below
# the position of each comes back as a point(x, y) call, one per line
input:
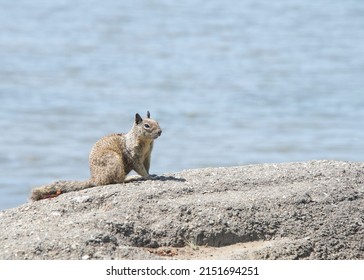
point(111, 159)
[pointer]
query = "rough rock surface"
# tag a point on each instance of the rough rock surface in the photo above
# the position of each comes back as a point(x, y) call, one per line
point(308, 210)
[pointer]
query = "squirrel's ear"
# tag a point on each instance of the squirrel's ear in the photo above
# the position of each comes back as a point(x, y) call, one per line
point(148, 115)
point(138, 118)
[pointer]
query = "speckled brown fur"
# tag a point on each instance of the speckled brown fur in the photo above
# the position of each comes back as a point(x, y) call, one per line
point(112, 158)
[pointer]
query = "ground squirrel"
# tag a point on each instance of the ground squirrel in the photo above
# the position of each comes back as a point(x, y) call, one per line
point(112, 158)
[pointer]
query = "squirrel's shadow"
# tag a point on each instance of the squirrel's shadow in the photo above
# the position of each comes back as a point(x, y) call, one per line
point(169, 178)
point(155, 178)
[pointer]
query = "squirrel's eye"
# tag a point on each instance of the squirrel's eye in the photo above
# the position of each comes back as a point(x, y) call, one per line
point(147, 125)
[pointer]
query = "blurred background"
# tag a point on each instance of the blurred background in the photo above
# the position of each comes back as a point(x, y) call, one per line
point(230, 82)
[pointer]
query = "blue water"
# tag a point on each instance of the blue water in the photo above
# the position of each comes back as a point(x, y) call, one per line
point(230, 82)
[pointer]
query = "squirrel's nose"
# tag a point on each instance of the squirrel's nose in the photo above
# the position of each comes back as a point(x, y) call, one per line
point(159, 132)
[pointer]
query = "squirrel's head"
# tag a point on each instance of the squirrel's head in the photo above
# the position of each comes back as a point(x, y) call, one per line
point(147, 128)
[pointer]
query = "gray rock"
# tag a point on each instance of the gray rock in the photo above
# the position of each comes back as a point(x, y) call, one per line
point(308, 210)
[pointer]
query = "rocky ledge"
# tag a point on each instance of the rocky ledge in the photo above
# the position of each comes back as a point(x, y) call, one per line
point(307, 210)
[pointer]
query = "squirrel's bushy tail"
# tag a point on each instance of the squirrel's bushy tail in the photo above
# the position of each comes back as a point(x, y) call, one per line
point(56, 188)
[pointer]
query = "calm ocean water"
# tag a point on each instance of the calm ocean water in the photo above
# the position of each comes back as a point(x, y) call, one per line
point(231, 83)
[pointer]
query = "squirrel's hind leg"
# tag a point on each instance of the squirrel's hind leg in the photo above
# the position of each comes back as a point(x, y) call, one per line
point(107, 169)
